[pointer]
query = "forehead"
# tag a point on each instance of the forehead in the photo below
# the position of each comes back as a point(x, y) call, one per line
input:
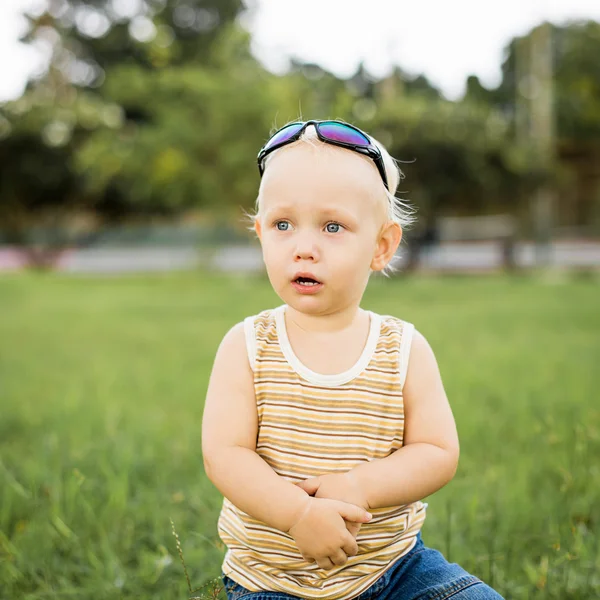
point(304, 174)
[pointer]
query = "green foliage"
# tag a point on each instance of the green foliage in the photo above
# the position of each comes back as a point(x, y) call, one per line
point(102, 385)
point(38, 184)
point(189, 139)
point(106, 33)
point(162, 114)
point(576, 80)
point(457, 153)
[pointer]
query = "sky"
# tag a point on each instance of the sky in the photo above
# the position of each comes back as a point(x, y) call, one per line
point(446, 41)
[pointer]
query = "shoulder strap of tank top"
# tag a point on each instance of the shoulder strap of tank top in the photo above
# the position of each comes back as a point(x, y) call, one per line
point(405, 342)
point(250, 340)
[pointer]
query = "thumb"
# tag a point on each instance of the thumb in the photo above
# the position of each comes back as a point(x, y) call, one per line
point(354, 513)
point(310, 486)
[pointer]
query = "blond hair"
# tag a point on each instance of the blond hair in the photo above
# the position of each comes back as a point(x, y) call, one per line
point(398, 210)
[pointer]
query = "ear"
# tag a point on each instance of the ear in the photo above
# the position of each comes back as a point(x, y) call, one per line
point(257, 227)
point(387, 244)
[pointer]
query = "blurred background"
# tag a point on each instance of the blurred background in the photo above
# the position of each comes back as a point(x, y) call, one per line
point(128, 138)
point(129, 128)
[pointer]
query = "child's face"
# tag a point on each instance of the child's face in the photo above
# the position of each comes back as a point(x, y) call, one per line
point(321, 214)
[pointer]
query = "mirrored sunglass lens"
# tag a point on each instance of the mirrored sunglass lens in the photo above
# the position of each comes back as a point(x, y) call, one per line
point(285, 134)
point(341, 133)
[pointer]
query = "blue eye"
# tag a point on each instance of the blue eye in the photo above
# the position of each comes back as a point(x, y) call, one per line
point(282, 225)
point(333, 227)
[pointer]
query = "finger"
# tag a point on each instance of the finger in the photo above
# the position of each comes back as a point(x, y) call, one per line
point(309, 559)
point(339, 558)
point(310, 486)
point(353, 528)
point(352, 512)
point(350, 547)
point(325, 563)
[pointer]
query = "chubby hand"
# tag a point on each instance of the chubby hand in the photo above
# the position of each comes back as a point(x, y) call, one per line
point(337, 486)
point(334, 543)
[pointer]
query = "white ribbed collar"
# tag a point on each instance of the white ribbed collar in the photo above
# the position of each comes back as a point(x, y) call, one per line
point(336, 378)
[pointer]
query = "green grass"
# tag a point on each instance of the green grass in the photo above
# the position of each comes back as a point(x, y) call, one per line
point(102, 384)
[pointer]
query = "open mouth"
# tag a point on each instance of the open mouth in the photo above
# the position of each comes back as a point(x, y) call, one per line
point(307, 281)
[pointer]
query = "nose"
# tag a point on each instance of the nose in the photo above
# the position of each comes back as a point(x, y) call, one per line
point(306, 248)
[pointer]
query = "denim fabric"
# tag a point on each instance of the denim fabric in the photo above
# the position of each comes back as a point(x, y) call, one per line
point(422, 574)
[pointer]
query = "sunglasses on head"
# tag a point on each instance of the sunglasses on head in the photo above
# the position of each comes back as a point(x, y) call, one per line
point(331, 132)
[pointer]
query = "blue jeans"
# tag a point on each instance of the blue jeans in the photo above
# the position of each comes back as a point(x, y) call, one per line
point(422, 574)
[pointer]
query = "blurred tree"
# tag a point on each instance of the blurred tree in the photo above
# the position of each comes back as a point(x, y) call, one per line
point(99, 94)
point(421, 86)
point(41, 197)
point(576, 90)
point(576, 80)
point(399, 83)
point(192, 141)
point(157, 107)
point(458, 158)
point(103, 33)
point(577, 73)
point(458, 154)
point(476, 93)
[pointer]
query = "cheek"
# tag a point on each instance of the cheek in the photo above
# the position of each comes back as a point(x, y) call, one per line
point(352, 262)
point(272, 254)
point(360, 258)
point(360, 248)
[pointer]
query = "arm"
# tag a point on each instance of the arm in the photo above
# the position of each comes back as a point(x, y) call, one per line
point(229, 432)
point(429, 457)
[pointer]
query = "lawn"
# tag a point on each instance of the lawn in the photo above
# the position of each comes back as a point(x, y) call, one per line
point(102, 384)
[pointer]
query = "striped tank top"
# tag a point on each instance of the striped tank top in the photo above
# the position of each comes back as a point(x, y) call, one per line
point(311, 424)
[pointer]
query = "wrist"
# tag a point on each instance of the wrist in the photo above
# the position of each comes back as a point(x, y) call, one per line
point(355, 476)
point(298, 513)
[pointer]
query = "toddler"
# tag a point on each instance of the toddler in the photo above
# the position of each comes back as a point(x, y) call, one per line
point(325, 424)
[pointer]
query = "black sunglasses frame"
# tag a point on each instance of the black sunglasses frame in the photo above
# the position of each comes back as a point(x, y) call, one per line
point(371, 150)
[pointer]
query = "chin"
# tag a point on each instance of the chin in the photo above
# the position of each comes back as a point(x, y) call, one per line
point(306, 304)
